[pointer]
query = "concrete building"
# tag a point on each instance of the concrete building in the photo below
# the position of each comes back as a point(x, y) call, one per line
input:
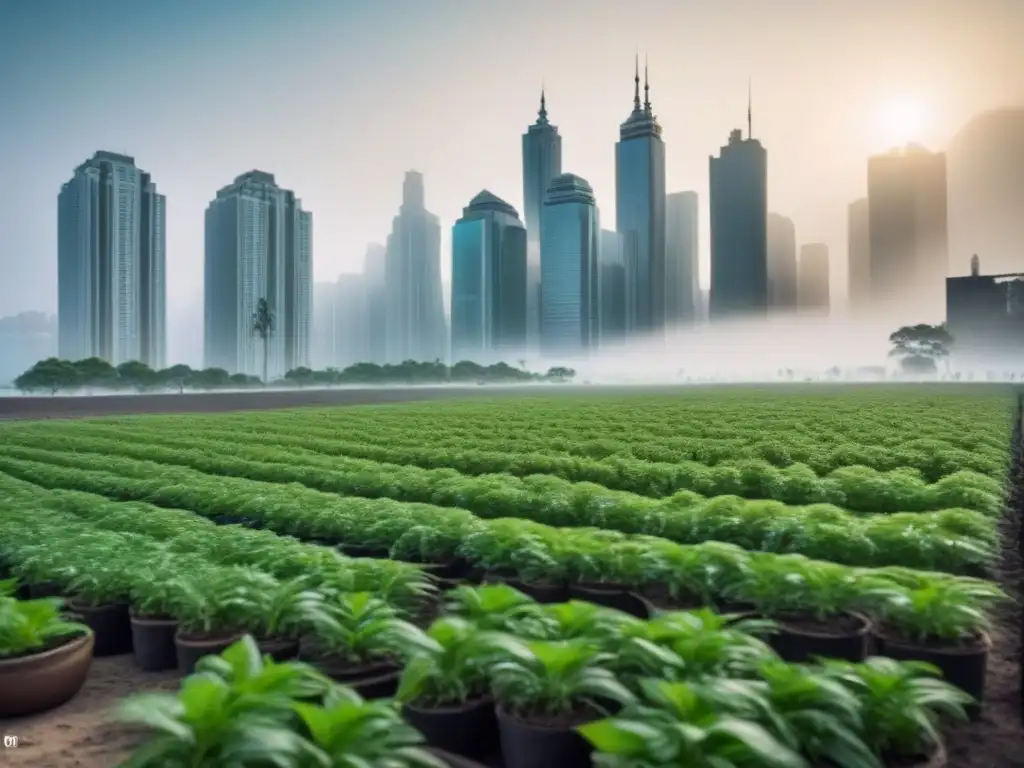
point(111, 263)
point(858, 256)
point(813, 289)
point(416, 327)
point(570, 269)
point(258, 245)
point(985, 317)
point(542, 161)
point(323, 342)
point(782, 264)
point(489, 281)
point(351, 326)
point(613, 289)
point(640, 213)
point(682, 265)
point(908, 241)
point(375, 273)
point(739, 223)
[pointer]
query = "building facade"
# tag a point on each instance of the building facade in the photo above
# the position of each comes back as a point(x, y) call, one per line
point(858, 256)
point(111, 264)
point(782, 264)
point(570, 269)
point(416, 328)
point(985, 317)
point(375, 273)
point(739, 229)
point(613, 289)
point(489, 281)
point(682, 276)
point(640, 213)
point(258, 246)
point(814, 276)
point(542, 161)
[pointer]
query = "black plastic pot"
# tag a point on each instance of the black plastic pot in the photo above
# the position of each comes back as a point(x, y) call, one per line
point(153, 643)
point(964, 666)
point(610, 596)
point(456, 569)
point(373, 552)
point(45, 589)
point(191, 648)
point(798, 641)
point(542, 593)
point(371, 681)
point(110, 624)
point(455, 761)
point(470, 729)
point(525, 745)
point(278, 648)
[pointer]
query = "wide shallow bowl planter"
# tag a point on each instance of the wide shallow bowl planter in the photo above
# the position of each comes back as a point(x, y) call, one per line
point(964, 665)
point(110, 623)
point(278, 648)
point(153, 642)
point(45, 589)
point(190, 648)
point(454, 761)
point(610, 596)
point(470, 729)
point(530, 745)
point(42, 681)
point(801, 638)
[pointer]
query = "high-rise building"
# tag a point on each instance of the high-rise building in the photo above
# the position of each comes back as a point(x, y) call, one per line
point(323, 346)
point(489, 283)
point(374, 270)
point(739, 229)
point(570, 269)
point(858, 256)
point(682, 278)
point(111, 262)
point(640, 212)
point(351, 327)
point(782, 266)
point(613, 289)
point(813, 289)
point(542, 161)
point(985, 317)
point(416, 326)
point(908, 238)
point(258, 246)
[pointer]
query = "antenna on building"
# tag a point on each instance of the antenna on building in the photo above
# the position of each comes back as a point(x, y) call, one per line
point(636, 83)
point(647, 89)
point(975, 266)
point(750, 126)
point(543, 113)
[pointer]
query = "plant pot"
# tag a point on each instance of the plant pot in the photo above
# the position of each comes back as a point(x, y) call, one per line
point(801, 638)
point(190, 648)
point(374, 680)
point(278, 648)
point(41, 681)
point(375, 553)
point(470, 729)
point(964, 666)
point(454, 761)
point(110, 623)
point(610, 596)
point(938, 759)
point(529, 745)
point(455, 569)
point(45, 589)
point(153, 643)
point(542, 593)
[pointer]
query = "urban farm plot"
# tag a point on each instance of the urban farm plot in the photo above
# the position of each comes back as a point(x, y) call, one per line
point(858, 519)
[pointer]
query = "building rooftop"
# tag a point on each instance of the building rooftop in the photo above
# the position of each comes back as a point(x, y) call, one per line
point(569, 188)
point(486, 200)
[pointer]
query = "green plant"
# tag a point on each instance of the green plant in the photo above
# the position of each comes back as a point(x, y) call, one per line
point(281, 608)
point(152, 595)
point(101, 582)
point(499, 608)
point(362, 628)
point(212, 603)
point(28, 626)
point(945, 610)
point(711, 644)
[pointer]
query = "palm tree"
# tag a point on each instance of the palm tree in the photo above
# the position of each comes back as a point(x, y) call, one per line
point(263, 326)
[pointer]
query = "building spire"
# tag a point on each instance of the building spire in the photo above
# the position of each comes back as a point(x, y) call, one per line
point(542, 113)
point(647, 89)
point(636, 83)
point(750, 128)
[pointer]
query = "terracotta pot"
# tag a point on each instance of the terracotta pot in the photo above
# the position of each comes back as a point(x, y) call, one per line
point(610, 596)
point(111, 624)
point(278, 648)
point(470, 729)
point(528, 745)
point(191, 648)
point(802, 639)
point(964, 666)
point(153, 643)
point(42, 681)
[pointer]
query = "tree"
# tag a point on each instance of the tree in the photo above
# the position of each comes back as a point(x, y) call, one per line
point(263, 326)
point(137, 375)
point(919, 347)
point(560, 374)
point(175, 376)
point(96, 372)
point(49, 375)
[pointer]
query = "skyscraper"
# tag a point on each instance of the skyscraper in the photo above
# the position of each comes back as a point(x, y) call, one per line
point(258, 246)
point(814, 277)
point(374, 270)
point(111, 252)
point(739, 223)
point(570, 269)
point(351, 326)
point(908, 238)
point(613, 288)
point(416, 326)
point(858, 256)
point(542, 161)
point(489, 281)
point(782, 266)
point(640, 212)
point(682, 279)
point(323, 347)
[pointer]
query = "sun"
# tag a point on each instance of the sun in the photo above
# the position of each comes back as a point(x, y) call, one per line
point(901, 122)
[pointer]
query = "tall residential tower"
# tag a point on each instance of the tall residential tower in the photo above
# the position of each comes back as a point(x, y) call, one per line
point(782, 265)
point(682, 280)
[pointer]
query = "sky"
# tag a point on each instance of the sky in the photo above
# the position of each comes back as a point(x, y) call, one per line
point(338, 98)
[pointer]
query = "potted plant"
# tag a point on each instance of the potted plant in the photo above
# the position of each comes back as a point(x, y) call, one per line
point(211, 607)
point(278, 613)
point(44, 657)
point(151, 615)
point(42, 572)
point(944, 623)
point(361, 643)
point(444, 687)
point(434, 548)
point(903, 705)
point(688, 577)
point(519, 553)
point(611, 569)
point(99, 595)
point(500, 608)
point(544, 695)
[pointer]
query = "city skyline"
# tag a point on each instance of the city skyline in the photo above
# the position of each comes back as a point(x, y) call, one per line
point(183, 140)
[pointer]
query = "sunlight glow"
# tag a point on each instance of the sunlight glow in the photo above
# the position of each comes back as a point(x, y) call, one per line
point(901, 122)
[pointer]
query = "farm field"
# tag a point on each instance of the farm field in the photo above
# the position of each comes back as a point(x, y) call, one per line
point(813, 504)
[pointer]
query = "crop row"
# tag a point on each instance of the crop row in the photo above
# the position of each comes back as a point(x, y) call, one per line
point(855, 488)
point(956, 541)
point(548, 658)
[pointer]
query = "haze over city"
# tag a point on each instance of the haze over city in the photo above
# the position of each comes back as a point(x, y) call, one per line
point(339, 99)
